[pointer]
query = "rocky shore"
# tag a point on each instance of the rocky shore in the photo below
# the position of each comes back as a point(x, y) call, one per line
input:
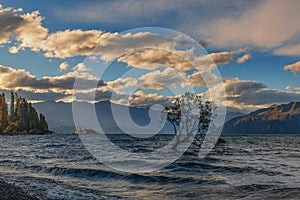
point(11, 191)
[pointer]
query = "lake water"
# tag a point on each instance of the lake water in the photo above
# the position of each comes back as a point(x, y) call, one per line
point(245, 167)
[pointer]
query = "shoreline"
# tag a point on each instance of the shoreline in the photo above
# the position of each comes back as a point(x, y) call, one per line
point(11, 191)
point(28, 133)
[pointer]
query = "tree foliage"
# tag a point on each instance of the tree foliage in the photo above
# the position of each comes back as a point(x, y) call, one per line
point(189, 115)
point(22, 117)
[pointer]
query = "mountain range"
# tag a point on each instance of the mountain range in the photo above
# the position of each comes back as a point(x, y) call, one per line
point(277, 119)
point(60, 117)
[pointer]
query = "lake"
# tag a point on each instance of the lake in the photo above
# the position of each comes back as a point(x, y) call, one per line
point(58, 166)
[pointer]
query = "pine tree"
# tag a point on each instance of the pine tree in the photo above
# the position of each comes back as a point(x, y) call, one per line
point(12, 107)
point(18, 107)
point(3, 112)
point(22, 117)
point(33, 117)
point(43, 123)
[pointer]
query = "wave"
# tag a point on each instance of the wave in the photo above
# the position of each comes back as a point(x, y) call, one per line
point(99, 174)
point(269, 191)
point(182, 166)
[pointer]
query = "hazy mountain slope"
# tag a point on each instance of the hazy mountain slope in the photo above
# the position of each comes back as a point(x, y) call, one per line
point(60, 117)
point(231, 115)
point(57, 113)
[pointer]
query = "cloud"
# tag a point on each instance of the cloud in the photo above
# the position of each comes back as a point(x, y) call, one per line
point(12, 79)
point(295, 67)
point(64, 44)
point(69, 43)
point(138, 98)
point(288, 50)
point(157, 80)
point(63, 66)
point(243, 59)
point(94, 95)
point(28, 32)
point(36, 96)
point(155, 58)
point(268, 24)
point(237, 86)
point(106, 45)
point(101, 94)
point(265, 24)
point(141, 99)
point(168, 78)
point(253, 95)
point(292, 88)
point(222, 58)
point(174, 14)
point(203, 79)
point(81, 67)
point(25, 28)
point(141, 49)
point(121, 83)
point(119, 12)
point(180, 60)
point(132, 43)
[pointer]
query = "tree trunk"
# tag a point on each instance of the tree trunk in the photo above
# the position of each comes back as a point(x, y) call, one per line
point(174, 147)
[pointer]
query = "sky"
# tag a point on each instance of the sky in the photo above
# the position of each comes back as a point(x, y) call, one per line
point(255, 46)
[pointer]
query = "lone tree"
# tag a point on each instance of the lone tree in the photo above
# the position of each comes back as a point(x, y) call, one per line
point(190, 116)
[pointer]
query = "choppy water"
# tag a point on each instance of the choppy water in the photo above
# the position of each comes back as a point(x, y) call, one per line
point(245, 167)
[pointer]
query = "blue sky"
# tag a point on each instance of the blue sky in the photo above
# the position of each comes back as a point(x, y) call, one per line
point(266, 31)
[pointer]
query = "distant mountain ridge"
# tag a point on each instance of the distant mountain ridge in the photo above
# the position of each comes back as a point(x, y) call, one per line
point(60, 116)
point(277, 119)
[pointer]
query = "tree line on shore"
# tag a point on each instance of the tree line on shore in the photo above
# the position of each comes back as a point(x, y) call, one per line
point(20, 117)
